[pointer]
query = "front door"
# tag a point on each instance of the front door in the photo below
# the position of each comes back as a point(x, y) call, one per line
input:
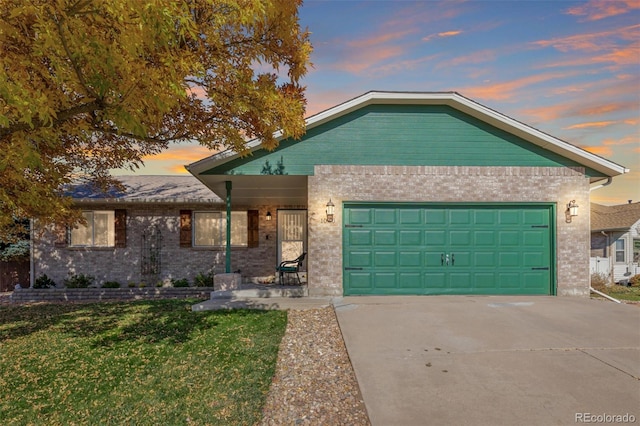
point(292, 235)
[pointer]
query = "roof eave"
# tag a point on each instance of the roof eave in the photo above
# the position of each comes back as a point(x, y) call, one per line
point(453, 99)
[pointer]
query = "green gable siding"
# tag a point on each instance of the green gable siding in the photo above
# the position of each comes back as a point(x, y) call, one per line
point(408, 135)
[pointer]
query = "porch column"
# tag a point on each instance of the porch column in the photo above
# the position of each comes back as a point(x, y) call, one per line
point(227, 262)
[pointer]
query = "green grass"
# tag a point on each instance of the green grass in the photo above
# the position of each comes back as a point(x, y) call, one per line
point(143, 363)
point(623, 293)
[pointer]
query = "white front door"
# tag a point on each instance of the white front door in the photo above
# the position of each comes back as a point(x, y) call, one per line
point(292, 235)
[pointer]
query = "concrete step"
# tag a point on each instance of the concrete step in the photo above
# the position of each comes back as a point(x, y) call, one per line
point(262, 292)
point(263, 303)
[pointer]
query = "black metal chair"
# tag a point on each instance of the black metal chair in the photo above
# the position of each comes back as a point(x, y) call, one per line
point(291, 267)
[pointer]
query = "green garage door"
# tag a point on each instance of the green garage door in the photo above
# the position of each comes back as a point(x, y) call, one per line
point(447, 249)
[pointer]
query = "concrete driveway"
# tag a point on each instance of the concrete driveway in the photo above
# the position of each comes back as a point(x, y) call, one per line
point(499, 360)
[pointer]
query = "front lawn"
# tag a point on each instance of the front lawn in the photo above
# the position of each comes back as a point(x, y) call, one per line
point(143, 363)
point(623, 293)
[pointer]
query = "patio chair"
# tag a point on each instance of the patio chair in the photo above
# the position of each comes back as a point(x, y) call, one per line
point(291, 267)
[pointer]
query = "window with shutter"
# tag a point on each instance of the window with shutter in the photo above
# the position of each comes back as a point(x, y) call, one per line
point(99, 230)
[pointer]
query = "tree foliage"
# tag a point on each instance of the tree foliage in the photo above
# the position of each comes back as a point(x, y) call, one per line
point(91, 85)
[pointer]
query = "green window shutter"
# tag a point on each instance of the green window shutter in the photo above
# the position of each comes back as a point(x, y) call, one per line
point(253, 239)
point(120, 228)
point(185, 228)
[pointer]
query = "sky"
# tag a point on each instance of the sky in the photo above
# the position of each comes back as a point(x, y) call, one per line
point(570, 69)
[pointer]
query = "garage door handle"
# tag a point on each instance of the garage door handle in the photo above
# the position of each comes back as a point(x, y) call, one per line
point(453, 259)
point(542, 268)
point(352, 269)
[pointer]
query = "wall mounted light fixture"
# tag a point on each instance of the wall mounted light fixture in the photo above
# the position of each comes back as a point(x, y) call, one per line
point(268, 216)
point(572, 210)
point(330, 210)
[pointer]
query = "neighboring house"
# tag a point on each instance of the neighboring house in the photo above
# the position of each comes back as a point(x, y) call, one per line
point(615, 240)
point(159, 228)
point(388, 193)
point(433, 194)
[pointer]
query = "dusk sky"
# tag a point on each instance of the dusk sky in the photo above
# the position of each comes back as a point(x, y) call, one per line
point(570, 69)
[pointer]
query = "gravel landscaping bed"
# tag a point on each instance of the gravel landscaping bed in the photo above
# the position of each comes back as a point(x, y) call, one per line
point(314, 383)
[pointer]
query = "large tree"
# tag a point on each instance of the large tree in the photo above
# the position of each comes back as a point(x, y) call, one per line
point(91, 85)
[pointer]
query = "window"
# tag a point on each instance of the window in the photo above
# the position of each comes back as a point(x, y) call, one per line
point(620, 252)
point(210, 229)
point(99, 231)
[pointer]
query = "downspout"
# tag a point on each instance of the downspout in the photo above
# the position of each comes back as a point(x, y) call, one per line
point(227, 262)
point(608, 182)
point(608, 254)
point(606, 296)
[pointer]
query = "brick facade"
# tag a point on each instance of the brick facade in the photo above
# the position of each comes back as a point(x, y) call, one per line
point(123, 264)
point(557, 185)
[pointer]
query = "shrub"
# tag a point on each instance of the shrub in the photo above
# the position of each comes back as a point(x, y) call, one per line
point(43, 281)
point(111, 284)
point(131, 285)
point(78, 281)
point(180, 283)
point(634, 281)
point(203, 280)
point(599, 281)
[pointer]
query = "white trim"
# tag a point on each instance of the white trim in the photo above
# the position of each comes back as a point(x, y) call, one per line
point(452, 99)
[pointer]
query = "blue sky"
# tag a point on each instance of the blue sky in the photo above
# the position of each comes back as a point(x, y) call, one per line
point(570, 69)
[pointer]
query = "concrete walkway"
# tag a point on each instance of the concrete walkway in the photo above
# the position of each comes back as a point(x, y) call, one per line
point(252, 296)
point(266, 303)
point(493, 360)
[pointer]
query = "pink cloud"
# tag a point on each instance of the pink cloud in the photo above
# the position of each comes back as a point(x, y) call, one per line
point(378, 39)
point(508, 90)
point(183, 154)
point(443, 34)
point(596, 124)
point(394, 37)
point(593, 99)
point(592, 42)
point(178, 169)
point(627, 140)
point(365, 59)
point(599, 9)
point(603, 151)
point(198, 91)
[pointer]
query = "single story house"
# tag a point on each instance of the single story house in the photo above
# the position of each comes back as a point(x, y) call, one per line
point(615, 240)
point(388, 193)
point(144, 234)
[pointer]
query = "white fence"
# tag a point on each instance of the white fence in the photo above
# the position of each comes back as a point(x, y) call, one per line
point(621, 271)
point(600, 265)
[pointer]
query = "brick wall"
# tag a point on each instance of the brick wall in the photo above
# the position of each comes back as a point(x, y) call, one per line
point(447, 184)
point(123, 264)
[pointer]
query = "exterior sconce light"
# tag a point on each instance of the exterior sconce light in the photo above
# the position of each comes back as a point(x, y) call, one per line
point(330, 210)
point(572, 210)
point(268, 216)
